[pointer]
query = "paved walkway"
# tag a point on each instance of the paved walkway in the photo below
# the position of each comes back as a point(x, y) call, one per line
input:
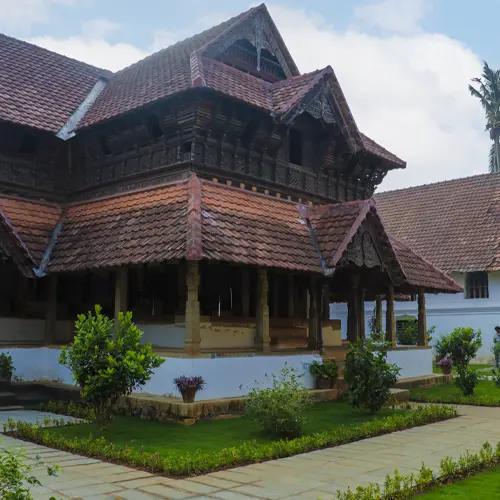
point(314, 475)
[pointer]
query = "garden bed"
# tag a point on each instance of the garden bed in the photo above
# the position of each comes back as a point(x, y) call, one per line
point(485, 394)
point(178, 450)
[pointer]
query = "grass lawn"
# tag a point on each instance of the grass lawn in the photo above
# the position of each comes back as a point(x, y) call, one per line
point(210, 435)
point(485, 394)
point(482, 485)
point(475, 366)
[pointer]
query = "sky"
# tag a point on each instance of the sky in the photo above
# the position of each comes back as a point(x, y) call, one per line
point(404, 65)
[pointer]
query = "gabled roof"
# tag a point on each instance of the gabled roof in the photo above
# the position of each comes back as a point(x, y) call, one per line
point(196, 219)
point(40, 88)
point(454, 224)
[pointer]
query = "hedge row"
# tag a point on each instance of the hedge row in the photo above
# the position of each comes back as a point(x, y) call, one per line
point(193, 463)
point(401, 486)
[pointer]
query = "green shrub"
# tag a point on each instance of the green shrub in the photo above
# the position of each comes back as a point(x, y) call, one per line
point(461, 345)
point(495, 372)
point(6, 366)
point(407, 333)
point(466, 380)
point(280, 409)
point(327, 369)
point(368, 375)
point(108, 360)
point(196, 462)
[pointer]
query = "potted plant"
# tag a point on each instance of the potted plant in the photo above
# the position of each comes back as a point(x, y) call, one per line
point(325, 372)
point(445, 364)
point(189, 386)
point(6, 367)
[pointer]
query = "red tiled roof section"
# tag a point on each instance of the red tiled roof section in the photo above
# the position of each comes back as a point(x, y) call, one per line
point(40, 88)
point(334, 226)
point(376, 149)
point(453, 224)
point(249, 228)
point(156, 77)
point(31, 223)
point(421, 273)
point(133, 228)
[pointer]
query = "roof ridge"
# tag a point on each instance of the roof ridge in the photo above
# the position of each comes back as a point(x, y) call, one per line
point(105, 72)
point(194, 249)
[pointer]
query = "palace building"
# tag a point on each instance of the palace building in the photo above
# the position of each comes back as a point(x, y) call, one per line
point(210, 188)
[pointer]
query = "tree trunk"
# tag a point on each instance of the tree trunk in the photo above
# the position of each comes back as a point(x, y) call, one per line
point(497, 153)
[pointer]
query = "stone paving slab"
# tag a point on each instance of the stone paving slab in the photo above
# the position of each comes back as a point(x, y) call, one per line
point(310, 476)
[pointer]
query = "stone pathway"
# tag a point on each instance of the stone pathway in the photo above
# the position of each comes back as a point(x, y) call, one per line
point(315, 475)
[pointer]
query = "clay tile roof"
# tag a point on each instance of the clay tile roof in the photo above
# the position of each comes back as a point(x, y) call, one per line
point(39, 88)
point(242, 226)
point(376, 149)
point(132, 228)
point(30, 223)
point(454, 224)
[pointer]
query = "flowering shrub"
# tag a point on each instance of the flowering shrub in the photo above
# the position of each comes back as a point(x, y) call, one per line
point(445, 364)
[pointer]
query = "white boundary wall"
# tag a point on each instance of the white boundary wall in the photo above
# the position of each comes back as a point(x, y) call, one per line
point(413, 362)
point(224, 377)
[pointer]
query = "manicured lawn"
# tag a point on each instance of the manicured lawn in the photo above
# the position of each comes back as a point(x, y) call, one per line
point(478, 367)
point(481, 485)
point(485, 394)
point(210, 435)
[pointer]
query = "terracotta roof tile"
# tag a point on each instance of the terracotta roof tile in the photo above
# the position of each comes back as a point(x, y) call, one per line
point(40, 88)
point(454, 224)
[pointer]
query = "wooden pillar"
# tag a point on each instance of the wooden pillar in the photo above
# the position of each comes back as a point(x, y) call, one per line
point(263, 340)
point(121, 278)
point(276, 295)
point(291, 296)
point(353, 311)
point(245, 292)
point(315, 340)
point(361, 312)
point(181, 289)
point(192, 338)
point(51, 310)
point(422, 320)
point(378, 313)
point(325, 300)
point(390, 319)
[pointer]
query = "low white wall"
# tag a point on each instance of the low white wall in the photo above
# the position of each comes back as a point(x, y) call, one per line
point(224, 377)
point(163, 335)
point(413, 362)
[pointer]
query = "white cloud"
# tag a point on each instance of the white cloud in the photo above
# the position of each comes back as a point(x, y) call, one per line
point(393, 15)
point(20, 15)
point(99, 28)
point(408, 92)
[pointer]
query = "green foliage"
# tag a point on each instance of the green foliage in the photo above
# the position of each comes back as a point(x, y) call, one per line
point(466, 380)
point(368, 375)
point(199, 462)
point(408, 333)
point(6, 366)
point(280, 409)
point(401, 486)
point(496, 376)
point(16, 479)
point(461, 345)
point(327, 369)
point(108, 360)
point(74, 409)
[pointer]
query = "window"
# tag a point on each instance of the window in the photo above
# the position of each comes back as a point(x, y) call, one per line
point(476, 285)
point(295, 147)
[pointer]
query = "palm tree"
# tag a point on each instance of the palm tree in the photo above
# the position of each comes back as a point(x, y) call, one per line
point(488, 92)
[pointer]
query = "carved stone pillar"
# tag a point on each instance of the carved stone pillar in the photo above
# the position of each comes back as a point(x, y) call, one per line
point(314, 315)
point(390, 319)
point(263, 340)
point(378, 313)
point(121, 282)
point(51, 310)
point(192, 338)
point(422, 319)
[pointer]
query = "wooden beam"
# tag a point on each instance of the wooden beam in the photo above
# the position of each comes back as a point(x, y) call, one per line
point(314, 315)
point(192, 339)
point(378, 313)
point(390, 319)
point(51, 310)
point(121, 290)
point(245, 292)
point(263, 339)
point(422, 319)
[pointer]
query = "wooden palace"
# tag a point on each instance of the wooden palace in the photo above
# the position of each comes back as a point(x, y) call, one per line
point(211, 188)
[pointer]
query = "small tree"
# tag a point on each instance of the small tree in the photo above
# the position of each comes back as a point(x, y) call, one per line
point(368, 375)
point(108, 360)
point(280, 409)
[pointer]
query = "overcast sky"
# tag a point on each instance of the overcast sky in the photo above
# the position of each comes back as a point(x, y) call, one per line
point(404, 65)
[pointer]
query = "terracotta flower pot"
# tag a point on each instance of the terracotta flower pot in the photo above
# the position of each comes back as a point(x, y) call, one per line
point(446, 370)
point(188, 394)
